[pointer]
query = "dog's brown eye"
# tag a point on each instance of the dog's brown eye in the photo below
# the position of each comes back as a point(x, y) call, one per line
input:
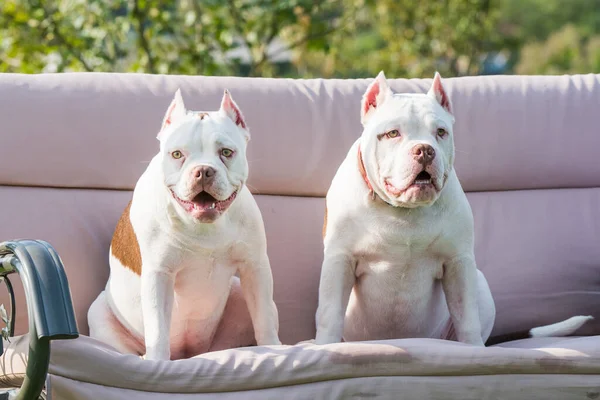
point(226, 153)
point(442, 132)
point(393, 133)
point(176, 154)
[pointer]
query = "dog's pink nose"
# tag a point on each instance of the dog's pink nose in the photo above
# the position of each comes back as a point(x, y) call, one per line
point(204, 173)
point(423, 153)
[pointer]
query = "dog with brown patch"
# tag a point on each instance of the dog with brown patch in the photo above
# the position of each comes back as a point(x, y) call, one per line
point(191, 228)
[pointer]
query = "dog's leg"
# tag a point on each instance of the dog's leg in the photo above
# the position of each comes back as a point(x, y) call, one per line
point(235, 328)
point(460, 285)
point(105, 327)
point(487, 308)
point(337, 280)
point(257, 286)
point(157, 307)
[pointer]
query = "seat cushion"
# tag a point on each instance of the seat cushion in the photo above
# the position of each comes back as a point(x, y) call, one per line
point(426, 366)
point(513, 387)
point(264, 367)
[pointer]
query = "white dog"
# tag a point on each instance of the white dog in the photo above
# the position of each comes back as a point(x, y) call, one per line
point(399, 253)
point(191, 226)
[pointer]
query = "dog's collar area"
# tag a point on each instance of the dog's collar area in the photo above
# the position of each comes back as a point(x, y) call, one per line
point(363, 173)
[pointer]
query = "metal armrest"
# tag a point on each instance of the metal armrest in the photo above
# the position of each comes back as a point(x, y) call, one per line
point(49, 305)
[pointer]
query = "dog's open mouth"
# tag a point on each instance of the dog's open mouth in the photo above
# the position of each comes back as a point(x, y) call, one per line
point(205, 202)
point(423, 182)
point(424, 178)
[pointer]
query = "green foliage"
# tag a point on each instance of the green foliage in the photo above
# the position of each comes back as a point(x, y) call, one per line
point(565, 51)
point(409, 38)
point(448, 36)
point(535, 20)
point(177, 37)
point(551, 36)
point(74, 34)
point(299, 38)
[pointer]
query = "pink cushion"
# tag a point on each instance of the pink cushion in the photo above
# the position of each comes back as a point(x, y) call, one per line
point(512, 132)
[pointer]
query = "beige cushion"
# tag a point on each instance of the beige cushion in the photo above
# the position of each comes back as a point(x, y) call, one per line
point(473, 387)
point(552, 361)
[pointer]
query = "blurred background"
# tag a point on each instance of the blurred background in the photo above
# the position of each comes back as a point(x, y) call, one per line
point(301, 38)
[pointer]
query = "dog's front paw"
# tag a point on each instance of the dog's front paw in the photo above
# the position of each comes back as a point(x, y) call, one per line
point(310, 341)
point(478, 343)
point(473, 340)
point(323, 338)
point(157, 355)
point(276, 342)
point(269, 341)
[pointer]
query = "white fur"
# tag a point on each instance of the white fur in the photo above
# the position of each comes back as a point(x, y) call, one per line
point(401, 265)
point(188, 266)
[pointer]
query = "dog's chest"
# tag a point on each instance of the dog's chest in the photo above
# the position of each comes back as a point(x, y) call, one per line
point(399, 248)
point(398, 271)
point(201, 270)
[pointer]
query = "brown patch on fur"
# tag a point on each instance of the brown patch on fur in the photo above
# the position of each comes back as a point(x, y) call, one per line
point(124, 245)
point(325, 223)
point(202, 115)
point(363, 173)
point(362, 170)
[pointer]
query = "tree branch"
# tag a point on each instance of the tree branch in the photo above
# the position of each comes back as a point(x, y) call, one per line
point(200, 37)
point(240, 22)
point(63, 41)
point(273, 31)
point(141, 29)
point(298, 42)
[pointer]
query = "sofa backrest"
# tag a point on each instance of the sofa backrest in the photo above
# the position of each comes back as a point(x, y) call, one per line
point(73, 146)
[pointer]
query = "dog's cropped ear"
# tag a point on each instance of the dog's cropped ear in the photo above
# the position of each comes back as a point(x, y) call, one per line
point(232, 111)
point(175, 111)
point(438, 92)
point(376, 94)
